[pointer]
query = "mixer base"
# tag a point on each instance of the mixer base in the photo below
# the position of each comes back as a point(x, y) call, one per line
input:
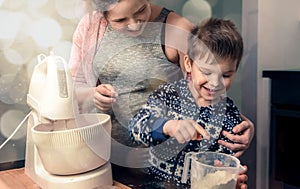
point(101, 176)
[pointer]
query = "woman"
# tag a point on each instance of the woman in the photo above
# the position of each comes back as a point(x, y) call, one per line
point(153, 41)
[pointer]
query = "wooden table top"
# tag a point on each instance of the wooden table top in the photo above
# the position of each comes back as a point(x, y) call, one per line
point(17, 179)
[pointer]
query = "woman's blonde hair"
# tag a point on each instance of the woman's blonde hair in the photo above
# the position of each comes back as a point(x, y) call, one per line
point(100, 5)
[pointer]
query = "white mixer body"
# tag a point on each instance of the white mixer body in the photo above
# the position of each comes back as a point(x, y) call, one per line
point(64, 149)
point(51, 89)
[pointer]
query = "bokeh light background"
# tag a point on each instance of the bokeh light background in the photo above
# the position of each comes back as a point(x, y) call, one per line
point(31, 27)
point(28, 28)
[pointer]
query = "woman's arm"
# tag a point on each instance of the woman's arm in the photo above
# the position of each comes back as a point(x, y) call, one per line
point(91, 26)
point(177, 27)
point(241, 142)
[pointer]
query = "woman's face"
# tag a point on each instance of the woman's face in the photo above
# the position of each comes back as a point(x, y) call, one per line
point(129, 15)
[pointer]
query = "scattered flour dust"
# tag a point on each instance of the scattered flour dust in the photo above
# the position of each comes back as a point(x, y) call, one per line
point(216, 180)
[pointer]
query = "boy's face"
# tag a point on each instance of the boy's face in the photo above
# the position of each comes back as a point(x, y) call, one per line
point(210, 79)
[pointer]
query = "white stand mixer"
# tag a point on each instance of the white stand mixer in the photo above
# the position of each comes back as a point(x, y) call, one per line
point(64, 149)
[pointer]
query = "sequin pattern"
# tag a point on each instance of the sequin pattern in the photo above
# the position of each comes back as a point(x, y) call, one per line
point(134, 66)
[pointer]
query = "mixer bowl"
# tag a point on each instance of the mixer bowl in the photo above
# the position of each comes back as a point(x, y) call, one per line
point(73, 146)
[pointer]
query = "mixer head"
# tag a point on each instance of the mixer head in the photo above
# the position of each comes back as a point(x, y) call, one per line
point(51, 92)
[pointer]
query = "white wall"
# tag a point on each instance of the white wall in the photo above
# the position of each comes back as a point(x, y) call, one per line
point(278, 48)
point(279, 34)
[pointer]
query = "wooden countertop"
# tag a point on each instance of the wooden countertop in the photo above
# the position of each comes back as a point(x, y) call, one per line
point(17, 179)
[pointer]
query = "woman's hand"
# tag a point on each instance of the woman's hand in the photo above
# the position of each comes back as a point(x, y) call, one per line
point(241, 142)
point(242, 179)
point(104, 96)
point(185, 130)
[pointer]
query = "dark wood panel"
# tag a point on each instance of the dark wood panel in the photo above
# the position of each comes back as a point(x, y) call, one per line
point(285, 86)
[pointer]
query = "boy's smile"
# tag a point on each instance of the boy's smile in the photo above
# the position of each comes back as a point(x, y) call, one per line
point(210, 80)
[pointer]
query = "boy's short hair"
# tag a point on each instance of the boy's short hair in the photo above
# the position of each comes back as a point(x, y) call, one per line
point(217, 36)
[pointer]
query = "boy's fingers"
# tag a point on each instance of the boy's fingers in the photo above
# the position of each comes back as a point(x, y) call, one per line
point(201, 131)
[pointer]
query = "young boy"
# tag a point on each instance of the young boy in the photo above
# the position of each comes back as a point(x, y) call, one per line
point(189, 114)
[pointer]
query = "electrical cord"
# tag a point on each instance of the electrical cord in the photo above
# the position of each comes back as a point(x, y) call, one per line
point(15, 131)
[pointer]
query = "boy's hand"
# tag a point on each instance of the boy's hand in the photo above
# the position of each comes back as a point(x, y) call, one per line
point(242, 179)
point(185, 130)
